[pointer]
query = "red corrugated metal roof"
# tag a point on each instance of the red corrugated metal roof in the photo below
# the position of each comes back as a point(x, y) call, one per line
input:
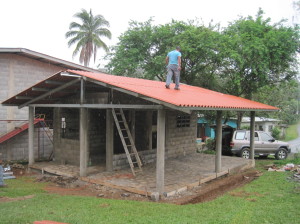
point(187, 96)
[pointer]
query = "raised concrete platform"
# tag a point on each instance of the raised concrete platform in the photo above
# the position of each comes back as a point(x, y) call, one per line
point(180, 173)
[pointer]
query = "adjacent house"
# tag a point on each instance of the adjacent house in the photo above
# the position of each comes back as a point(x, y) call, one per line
point(261, 123)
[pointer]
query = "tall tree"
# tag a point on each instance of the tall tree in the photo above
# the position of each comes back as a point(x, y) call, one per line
point(257, 54)
point(87, 35)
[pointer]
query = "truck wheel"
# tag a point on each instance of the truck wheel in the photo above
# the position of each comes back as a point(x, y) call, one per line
point(245, 153)
point(281, 154)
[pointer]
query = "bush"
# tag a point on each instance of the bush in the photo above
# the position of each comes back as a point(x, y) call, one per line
point(211, 144)
point(276, 132)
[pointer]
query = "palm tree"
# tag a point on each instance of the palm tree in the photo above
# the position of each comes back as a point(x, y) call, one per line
point(87, 35)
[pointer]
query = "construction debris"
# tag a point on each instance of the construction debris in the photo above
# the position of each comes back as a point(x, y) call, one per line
point(288, 167)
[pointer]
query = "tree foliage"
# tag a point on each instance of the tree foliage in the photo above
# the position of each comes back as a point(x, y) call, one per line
point(257, 54)
point(143, 48)
point(87, 35)
point(284, 95)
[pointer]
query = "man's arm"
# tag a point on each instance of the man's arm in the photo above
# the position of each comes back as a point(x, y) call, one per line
point(167, 60)
point(179, 62)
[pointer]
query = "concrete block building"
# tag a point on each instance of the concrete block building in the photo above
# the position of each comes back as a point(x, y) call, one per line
point(161, 123)
point(19, 69)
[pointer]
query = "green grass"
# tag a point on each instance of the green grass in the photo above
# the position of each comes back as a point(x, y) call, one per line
point(291, 132)
point(269, 199)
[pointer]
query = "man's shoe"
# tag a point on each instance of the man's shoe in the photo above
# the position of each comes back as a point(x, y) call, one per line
point(177, 88)
point(168, 87)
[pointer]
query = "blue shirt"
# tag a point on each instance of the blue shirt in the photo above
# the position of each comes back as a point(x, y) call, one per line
point(173, 57)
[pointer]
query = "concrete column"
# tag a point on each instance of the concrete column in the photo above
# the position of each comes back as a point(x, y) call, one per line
point(160, 157)
point(149, 128)
point(31, 136)
point(252, 127)
point(109, 140)
point(83, 141)
point(218, 162)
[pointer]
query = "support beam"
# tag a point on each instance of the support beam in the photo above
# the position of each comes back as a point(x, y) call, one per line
point(83, 141)
point(101, 106)
point(252, 127)
point(84, 144)
point(50, 92)
point(31, 136)
point(218, 162)
point(160, 156)
point(149, 128)
point(109, 140)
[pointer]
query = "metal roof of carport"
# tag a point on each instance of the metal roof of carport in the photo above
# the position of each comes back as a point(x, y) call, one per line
point(188, 97)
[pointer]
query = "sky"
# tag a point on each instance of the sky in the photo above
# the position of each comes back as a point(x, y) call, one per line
point(41, 25)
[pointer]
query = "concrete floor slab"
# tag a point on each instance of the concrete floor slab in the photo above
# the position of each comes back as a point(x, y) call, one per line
point(180, 173)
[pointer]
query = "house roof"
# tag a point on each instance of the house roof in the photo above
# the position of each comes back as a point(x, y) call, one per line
point(45, 58)
point(188, 97)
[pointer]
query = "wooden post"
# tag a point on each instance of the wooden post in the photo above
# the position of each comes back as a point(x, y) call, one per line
point(109, 140)
point(252, 127)
point(160, 157)
point(149, 128)
point(31, 136)
point(218, 162)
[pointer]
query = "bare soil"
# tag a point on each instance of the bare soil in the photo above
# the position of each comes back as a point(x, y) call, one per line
point(206, 192)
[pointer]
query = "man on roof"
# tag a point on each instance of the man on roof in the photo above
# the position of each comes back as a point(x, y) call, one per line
point(173, 61)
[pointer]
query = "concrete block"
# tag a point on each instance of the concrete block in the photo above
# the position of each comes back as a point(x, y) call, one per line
point(155, 196)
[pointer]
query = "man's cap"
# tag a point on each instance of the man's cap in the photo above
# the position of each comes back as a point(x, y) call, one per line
point(177, 48)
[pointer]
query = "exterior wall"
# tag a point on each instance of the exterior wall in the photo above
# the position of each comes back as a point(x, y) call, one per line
point(16, 74)
point(180, 141)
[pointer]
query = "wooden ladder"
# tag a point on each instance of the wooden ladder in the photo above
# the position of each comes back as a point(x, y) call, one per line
point(127, 141)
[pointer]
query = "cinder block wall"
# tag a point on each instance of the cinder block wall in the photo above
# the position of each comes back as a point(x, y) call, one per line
point(180, 141)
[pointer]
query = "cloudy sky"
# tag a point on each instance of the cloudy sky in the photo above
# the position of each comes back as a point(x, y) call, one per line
point(41, 25)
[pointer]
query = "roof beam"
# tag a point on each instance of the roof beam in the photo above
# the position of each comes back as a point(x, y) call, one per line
point(24, 97)
point(52, 82)
point(114, 87)
point(140, 96)
point(102, 106)
point(50, 92)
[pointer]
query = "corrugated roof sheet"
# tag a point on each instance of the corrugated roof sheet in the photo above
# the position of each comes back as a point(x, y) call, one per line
point(187, 96)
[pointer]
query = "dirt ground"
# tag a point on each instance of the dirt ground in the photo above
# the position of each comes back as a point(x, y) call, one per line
point(74, 186)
